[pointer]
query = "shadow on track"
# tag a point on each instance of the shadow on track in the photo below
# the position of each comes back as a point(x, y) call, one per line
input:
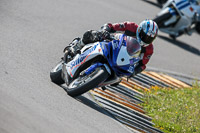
point(153, 3)
point(182, 45)
point(91, 104)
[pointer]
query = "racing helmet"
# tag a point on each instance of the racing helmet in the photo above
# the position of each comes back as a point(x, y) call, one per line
point(133, 47)
point(146, 32)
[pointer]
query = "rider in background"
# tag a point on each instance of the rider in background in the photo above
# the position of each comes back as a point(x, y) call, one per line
point(145, 33)
point(191, 9)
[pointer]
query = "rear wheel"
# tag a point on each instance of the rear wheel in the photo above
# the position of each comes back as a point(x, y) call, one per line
point(85, 83)
point(55, 74)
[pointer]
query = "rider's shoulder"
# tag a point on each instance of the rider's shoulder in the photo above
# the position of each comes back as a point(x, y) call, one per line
point(130, 23)
point(150, 47)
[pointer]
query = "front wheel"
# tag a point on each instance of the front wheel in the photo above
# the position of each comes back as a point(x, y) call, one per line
point(85, 83)
point(161, 19)
point(55, 74)
point(161, 2)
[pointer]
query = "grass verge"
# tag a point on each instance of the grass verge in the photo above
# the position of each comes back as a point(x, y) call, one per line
point(174, 110)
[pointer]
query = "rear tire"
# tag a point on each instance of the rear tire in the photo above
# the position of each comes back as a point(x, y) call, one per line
point(55, 74)
point(83, 84)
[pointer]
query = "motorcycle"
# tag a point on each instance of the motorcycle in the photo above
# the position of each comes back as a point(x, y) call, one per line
point(97, 65)
point(178, 17)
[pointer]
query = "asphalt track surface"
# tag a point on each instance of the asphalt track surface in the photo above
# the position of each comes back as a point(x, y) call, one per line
point(33, 34)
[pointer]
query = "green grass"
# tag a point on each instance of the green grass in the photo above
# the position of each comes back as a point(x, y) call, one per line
point(174, 110)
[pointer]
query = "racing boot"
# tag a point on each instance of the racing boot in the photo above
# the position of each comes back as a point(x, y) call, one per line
point(74, 47)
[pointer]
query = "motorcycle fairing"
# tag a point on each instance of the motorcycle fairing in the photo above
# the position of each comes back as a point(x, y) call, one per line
point(79, 59)
point(118, 58)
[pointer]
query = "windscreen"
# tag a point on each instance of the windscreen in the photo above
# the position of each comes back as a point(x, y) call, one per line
point(133, 47)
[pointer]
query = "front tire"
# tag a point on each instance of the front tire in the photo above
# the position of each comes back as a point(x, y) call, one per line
point(161, 19)
point(55, 74)
point(161, 2)
point(83, 84)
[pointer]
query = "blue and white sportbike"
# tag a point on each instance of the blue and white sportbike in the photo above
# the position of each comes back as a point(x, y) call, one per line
point(98, 64)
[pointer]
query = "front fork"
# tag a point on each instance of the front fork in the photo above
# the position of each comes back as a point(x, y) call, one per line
point(93, 67)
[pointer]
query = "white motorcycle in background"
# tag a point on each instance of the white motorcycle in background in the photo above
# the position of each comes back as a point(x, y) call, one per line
point(178, 17)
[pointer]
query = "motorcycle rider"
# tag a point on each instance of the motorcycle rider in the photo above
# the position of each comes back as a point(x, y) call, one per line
point(145, 33)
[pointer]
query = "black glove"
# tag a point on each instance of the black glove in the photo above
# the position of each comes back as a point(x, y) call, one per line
point(107, 28)
point(138, 70)
point(105, 35)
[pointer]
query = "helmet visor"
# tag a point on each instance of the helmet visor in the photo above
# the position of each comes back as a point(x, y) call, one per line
point(145, 38)
point(133, 47)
